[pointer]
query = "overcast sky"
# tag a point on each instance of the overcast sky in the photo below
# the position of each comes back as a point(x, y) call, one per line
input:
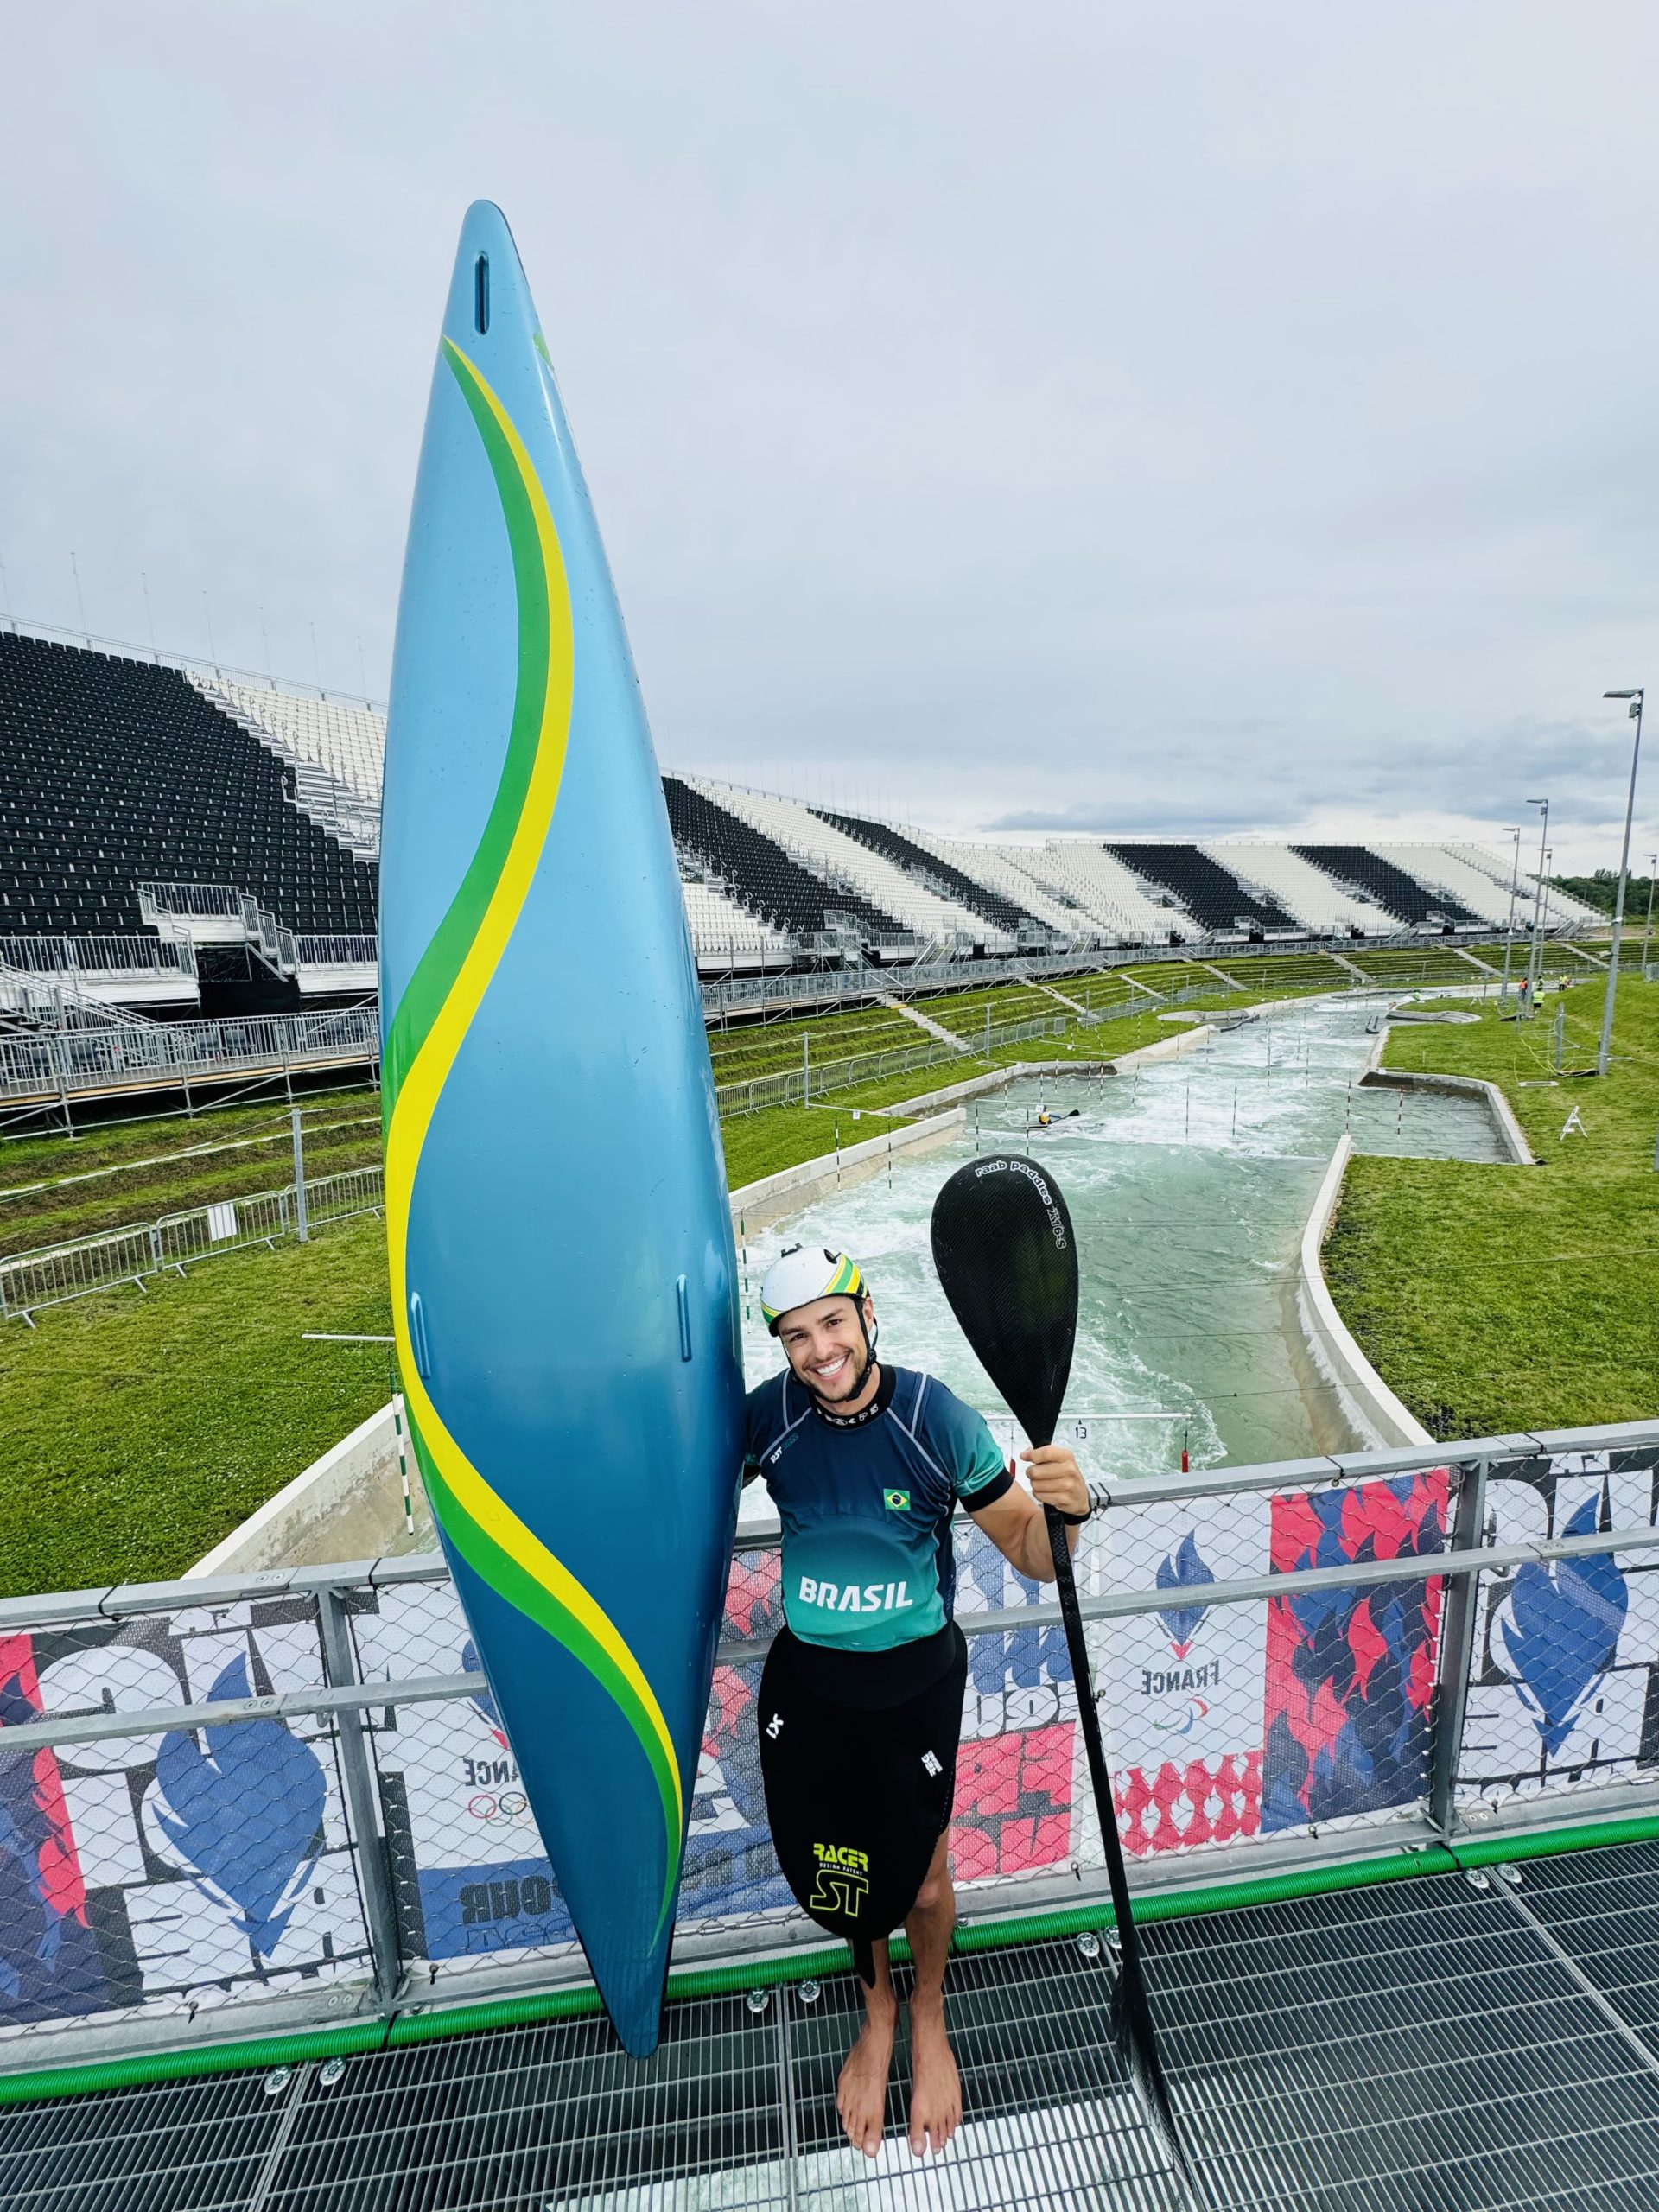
point(1212, 419)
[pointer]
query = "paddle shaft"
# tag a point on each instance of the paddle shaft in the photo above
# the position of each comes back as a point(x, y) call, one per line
point(1144, 2062)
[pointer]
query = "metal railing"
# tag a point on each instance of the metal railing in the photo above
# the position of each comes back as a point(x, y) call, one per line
point(58, 1273)
point(58, 1066)
point(1297, 1664)
point(345, 951)
point(747, 993)
point(96, 957)
point(800, 1085)
point(64, 1065)
point(124, 649)
point(200, 901)
point(175, 904)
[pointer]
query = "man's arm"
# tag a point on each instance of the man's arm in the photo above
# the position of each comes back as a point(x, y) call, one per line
point(1015, 1523)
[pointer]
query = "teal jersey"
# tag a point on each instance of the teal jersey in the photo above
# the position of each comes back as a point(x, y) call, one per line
point(866, 1505)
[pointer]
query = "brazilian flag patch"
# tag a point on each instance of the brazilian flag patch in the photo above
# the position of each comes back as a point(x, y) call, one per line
point(896, 1500)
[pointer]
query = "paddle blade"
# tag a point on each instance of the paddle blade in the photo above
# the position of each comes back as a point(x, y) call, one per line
point(1006, 1256)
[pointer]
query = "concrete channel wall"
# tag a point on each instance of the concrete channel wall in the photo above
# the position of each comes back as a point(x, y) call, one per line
point(1511, 1135)
point(1369, 1397)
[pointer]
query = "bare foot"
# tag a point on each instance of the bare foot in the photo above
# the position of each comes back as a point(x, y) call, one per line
point(861, 2092)
point(935, 2094)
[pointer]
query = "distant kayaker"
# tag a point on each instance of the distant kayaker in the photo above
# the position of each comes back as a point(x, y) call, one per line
point(860, 1707)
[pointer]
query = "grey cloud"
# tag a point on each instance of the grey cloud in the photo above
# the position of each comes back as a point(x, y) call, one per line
point(1215, 416)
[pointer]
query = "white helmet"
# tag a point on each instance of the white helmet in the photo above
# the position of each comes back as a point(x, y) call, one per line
point(806, 1272)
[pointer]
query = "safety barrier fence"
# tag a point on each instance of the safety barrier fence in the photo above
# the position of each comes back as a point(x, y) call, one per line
point(58, 1273)
point(249, 1805)
point(745, 993)
point(800, 1085)
point(65, 1063)
point(59, 1063)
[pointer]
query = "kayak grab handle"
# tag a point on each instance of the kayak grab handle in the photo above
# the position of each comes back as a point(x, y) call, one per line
point(418, 1335)
point(684, 1303)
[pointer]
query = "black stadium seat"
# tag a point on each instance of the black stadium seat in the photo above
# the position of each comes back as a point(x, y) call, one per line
point(950, 882)
point(1210, 894)
point(115, 773)
point(1395, 891)
point(759, 873)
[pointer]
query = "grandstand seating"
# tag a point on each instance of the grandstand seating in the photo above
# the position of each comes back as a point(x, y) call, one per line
point(1301, 889)
point(1103, 887)
point(113, 771)
point(1561, 906)
point(756, 870)
point(722, 928)
point(1215, 899)
point(1442, 868)
point(820, 847)
point(337, 751)
point(1395, 891)
point(942, 875)
point(989, 866)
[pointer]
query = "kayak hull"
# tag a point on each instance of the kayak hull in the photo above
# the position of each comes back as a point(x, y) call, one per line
point(558, 1230)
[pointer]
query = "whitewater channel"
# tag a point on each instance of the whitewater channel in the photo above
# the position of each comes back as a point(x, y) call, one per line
point(1190, 1181)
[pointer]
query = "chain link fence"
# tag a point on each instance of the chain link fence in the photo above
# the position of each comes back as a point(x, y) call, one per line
point(238, 1805)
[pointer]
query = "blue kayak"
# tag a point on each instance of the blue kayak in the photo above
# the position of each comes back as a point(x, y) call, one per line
point(563, 1279)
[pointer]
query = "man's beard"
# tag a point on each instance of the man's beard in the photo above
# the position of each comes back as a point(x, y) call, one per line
point(858, 1365)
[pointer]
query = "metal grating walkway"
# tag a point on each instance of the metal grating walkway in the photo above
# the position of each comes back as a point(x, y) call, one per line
point(1443, 2044)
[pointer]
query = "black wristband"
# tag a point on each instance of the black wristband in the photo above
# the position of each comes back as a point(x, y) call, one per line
point(1070, 1520)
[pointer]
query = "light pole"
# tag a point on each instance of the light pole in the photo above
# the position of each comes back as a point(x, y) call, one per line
point(1647, 933)
point(1535, 950)
point(1509, 927)
point(1635, 696)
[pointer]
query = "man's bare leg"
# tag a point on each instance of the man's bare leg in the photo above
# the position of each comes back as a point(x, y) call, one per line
point(935, 2091)
point(861, 2092)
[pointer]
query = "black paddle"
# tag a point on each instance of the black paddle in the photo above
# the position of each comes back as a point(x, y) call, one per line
point(1006, 1257)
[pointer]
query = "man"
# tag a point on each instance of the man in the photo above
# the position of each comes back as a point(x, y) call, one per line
point(860, 1708)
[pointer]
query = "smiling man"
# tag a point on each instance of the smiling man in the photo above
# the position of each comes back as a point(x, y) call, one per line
point(860, 1709)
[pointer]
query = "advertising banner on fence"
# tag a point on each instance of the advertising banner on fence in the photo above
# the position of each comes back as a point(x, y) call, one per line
point(179, 1871)
point(1563, 1681)
point(194, 1868)
point(1236, 1720)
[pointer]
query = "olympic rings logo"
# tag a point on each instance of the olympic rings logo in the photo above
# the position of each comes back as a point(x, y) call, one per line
point(511, 1805)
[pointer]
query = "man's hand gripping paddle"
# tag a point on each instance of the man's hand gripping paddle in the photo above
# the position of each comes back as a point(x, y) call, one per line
point(1006, 1257)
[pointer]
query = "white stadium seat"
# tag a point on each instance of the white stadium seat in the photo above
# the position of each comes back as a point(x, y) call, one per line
point(1479, 865)
point(989, 866)
point(337, 751)
point(1321, 905)
point(829, 851)
point(1087, 875)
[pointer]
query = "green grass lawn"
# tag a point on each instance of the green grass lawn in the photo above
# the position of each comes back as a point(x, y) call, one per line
point(140, 1427)
point(1493, 1298)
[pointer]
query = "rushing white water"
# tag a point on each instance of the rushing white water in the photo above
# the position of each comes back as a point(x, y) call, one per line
point(1188, 1183)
